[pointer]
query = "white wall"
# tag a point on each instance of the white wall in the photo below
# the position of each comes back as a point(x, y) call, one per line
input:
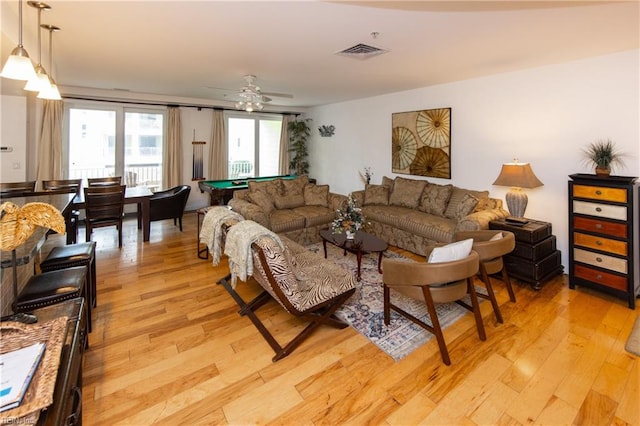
point(544, 116)
point(13, 134)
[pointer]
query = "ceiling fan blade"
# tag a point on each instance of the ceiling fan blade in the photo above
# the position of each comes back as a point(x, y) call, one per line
point(278, 95)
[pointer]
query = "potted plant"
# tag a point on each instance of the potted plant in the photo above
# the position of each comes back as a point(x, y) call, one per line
point(603, 155)
point(299, 132)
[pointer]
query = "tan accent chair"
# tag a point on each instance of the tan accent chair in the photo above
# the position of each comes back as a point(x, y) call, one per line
point(491, 259)
point(433, 283)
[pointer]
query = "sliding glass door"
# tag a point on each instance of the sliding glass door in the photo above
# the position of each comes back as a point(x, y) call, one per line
point(253, 143)
point(105, 140)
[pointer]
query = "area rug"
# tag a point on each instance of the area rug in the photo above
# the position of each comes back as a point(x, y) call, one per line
point(633, 342)
point(364, 310)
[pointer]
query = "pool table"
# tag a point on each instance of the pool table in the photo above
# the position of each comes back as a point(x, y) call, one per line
point(221, 191)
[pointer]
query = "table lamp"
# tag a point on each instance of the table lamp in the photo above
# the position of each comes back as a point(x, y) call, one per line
point(517, 176)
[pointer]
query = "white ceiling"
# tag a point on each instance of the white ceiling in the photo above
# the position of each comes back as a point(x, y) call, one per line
point(183, 48)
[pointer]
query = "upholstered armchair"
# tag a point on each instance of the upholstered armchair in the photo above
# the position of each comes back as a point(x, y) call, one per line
point(433, 283)
point(170, 204)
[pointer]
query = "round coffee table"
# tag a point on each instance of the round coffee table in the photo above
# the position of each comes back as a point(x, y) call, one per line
point(363, 243)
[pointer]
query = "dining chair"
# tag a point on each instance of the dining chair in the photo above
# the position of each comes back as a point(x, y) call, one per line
point(16, 189)
point(104, 206)
point(105, 181)
point(74, 215)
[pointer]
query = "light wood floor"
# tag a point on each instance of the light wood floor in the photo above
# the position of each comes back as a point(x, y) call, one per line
point(168, 347)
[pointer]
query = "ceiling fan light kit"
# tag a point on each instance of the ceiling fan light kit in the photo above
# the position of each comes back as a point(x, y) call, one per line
point(251, 98)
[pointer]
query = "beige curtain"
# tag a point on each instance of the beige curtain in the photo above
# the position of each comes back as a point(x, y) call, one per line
point(172, 152)
point(50, 144)
point(218, 168)
point(284, 157)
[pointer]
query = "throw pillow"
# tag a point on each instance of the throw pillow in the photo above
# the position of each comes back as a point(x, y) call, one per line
point(466, 206)
point(289, 201)
point(270, 187)
point(488, 204)
point(262, 200)
point(407, 192)
point(316, 195)
point(457, 194)
point(496, 237)
point(376, 194)
point(435, 198)
point(387, 181)
point(451, 252)
point(294, 186)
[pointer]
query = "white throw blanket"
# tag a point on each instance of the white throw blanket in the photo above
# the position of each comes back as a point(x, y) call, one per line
point(238, 248)
point(211, 231)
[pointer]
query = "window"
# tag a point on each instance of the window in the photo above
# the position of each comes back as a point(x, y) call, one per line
point(254, 144)
point(115, 141)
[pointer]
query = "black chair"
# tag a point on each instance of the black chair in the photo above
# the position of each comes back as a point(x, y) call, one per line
point(16, 189)
point(104, 206)
point(74, 215)
point(105, 181)
point(170, 204)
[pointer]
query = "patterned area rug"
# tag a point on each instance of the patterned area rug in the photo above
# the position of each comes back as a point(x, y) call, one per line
point(633, 342)
point(364, 310)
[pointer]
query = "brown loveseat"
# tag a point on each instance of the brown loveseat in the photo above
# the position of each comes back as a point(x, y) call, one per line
point(294, 208)
point(413, 214)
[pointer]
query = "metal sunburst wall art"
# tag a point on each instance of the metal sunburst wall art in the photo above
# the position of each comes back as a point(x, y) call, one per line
point(421, 143)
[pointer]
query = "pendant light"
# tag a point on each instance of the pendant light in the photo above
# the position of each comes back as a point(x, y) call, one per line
point(52, 91)
point(41, 81)
point(18, 65)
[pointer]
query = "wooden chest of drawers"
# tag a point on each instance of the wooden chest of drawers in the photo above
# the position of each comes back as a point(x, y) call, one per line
point(604, 235)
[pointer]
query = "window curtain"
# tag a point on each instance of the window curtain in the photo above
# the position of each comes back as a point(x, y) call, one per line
point(172, 154)
point(218, 154)
point(284, 158)
point(50, 144)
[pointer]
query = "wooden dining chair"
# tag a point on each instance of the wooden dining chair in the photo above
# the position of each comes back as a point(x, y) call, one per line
point(105, 181)
point(16, 189)
point(104, 206)
point(74, 215)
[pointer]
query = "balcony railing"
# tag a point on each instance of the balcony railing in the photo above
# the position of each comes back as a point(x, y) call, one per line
point(149, 175)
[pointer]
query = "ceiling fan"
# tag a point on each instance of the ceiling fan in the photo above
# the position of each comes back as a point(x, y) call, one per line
point(251, 97)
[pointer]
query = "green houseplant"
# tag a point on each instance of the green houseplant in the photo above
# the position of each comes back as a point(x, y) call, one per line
point(299, 132)
point(603, 155)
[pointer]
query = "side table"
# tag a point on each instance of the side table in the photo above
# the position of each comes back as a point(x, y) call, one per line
point(535, 259)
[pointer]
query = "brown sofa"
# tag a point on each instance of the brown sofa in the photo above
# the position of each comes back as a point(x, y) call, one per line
point(294, 208)
point(413, 214)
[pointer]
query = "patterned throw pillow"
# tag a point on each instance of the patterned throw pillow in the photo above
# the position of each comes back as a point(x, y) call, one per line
point(294, 186)
point(289, 201)
point(435, 198)
point(376, 194)
point(407, 192)
point(456, 197)
point(262, 200)
point(269, 187)
point(387, 181)
point(316, 195)
point(466, 206)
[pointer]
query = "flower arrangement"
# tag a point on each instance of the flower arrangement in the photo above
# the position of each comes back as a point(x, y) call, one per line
point(350, 218)
point(366, 174)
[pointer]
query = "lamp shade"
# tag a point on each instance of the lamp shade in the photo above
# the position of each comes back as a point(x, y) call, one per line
point(517, 175)
point(18, 65)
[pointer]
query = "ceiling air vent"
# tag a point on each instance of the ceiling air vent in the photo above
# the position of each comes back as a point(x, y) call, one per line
point(361, 51)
